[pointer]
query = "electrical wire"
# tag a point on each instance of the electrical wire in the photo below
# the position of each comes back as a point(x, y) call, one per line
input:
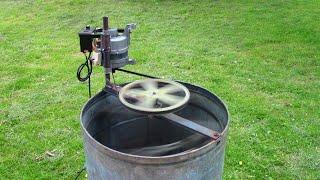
point(88, 65)
point(79, 173)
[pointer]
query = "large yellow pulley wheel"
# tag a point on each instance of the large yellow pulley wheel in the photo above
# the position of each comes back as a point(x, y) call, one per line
point(154, 96)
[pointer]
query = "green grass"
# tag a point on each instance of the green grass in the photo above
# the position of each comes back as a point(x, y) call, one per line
point(262, 58)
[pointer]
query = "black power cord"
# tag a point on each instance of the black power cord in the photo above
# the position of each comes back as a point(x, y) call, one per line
point(88, 65)
point(79, 173)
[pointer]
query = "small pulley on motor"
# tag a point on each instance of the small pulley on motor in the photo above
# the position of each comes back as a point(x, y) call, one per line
point(154, 96)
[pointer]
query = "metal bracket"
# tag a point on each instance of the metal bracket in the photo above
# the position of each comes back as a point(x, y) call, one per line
point(191, 125)
point(131, 26)
point(131, 61)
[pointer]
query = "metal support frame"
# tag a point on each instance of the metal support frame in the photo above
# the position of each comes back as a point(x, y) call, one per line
point(106, 49)
point(192, 125)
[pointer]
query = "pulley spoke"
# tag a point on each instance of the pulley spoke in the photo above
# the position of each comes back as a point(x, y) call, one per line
point(135, 92)
point(149, 85)
point(147, 102)
point(170, 99)
point(170, 88)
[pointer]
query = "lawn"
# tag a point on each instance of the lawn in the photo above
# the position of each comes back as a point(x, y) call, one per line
point(262, 58)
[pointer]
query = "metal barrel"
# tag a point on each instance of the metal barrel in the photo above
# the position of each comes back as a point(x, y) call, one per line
point(121, 144)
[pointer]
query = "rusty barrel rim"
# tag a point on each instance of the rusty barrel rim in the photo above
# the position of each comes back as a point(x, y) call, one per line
point(183, 156)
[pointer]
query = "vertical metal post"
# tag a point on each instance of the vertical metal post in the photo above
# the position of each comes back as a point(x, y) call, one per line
point(106, 49)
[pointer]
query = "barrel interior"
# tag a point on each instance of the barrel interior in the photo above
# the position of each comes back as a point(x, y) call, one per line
point(121, 129)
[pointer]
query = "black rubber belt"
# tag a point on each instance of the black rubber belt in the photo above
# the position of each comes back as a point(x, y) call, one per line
point(135, 73)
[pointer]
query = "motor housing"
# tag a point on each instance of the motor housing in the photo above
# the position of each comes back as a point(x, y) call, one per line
point(90, 41)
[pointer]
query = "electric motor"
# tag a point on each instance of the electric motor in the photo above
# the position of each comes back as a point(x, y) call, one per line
point(90, 41)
